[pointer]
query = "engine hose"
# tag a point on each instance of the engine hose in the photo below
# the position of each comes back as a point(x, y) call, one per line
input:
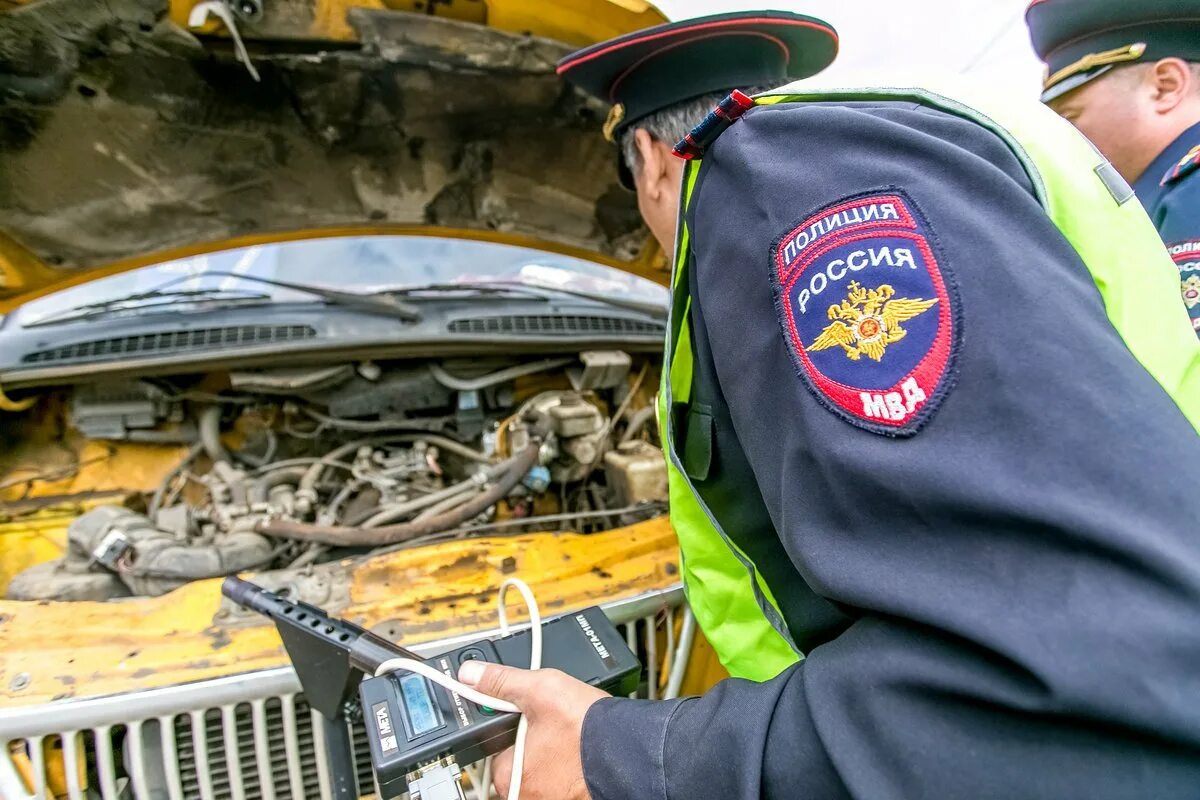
point(161, 492)
point(393, 512)
point(636, 423)
point(483, 381)
point(210, 434)
point(257, 461)
point(260, 488)
point(449, 503)
point(518, 468)
point(309, 482)
point(447, 444)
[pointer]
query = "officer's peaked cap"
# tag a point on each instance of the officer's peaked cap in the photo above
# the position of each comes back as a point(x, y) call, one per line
point(1081, 40)
point(653, 69)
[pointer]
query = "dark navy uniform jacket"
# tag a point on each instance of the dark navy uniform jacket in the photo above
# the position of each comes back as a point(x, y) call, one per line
point(1019, 579)
point(1170, 191)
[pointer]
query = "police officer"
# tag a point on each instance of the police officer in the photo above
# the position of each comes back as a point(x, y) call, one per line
point(1127, 74)
point(928, 424)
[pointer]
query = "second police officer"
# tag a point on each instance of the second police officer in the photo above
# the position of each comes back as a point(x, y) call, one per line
point(1127, 74)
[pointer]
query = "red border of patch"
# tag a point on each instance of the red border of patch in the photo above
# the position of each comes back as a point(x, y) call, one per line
point(929, 369)
point(936, 372)
point(906, 221)
point(1185, 256)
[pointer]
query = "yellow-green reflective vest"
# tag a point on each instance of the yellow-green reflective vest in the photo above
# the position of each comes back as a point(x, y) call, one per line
point(1092, 207)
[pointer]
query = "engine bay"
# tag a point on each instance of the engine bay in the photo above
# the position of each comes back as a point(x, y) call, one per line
point(286, 468)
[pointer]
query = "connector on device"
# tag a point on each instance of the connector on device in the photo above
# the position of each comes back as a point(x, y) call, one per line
point(441, 780)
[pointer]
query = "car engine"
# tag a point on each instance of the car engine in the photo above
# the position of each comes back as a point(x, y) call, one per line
point(286, 468)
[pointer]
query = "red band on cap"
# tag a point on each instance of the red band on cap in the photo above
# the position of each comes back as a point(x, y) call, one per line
point(725, 23)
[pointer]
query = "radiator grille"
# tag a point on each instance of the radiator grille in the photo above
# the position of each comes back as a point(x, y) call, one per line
point(278, 734)
point(170, 342)
point(264, 745)
point(555, 325)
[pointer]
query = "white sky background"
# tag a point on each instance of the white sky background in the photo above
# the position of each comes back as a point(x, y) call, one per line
point(985, 39)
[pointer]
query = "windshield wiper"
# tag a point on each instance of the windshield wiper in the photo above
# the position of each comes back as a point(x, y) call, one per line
point(158, 298)
point(370, 303)
point(469, 291)
point(495, 288)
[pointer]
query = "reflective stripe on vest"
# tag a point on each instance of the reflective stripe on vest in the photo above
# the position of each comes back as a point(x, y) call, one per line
point(731, 601)
point(724, 589)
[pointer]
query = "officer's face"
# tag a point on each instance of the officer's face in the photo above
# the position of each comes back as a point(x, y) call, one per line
point(1118, 115)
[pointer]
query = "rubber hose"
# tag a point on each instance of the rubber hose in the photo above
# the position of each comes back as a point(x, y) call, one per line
point(448, 503)
point(483, 381)
point(161, 492)
point(260, 488)
point(636, 423)
point(399, 510)
point(257, 461)
point(210, 433)
point(519, 467)
point(309, 482)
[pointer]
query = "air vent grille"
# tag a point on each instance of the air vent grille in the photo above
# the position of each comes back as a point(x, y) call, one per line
point(170, 342)
point(555, 325)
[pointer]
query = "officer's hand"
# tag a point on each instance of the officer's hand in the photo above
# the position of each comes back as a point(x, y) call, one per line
point(554, 703)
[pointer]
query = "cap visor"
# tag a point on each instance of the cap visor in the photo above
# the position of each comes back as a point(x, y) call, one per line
point(1072, 83)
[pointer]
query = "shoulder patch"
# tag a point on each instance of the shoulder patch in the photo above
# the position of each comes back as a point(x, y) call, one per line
point(1186, 256)
point(1186, 166)
point(868, 313)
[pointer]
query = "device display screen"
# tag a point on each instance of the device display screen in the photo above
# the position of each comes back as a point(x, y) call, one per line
point(419, 703)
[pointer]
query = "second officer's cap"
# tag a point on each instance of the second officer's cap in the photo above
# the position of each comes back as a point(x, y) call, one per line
point(1080, 40)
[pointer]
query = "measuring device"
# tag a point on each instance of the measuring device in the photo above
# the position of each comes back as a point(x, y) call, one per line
point(419, 731)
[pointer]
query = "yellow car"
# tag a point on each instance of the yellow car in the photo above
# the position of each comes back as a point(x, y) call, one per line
point(342, 294)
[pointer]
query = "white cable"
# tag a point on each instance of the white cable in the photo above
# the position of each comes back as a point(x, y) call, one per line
point(535, 662)
point(199, 17)
point(475, 696)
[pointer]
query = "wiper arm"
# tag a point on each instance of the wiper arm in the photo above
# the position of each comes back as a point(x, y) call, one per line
point(99, 309)
point(649, 309)
point(373, 303)
point(469, 290)
point(492, 288)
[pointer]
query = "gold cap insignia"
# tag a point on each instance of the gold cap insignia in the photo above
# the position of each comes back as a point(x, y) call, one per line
point(615, 115)
point(1119, 55)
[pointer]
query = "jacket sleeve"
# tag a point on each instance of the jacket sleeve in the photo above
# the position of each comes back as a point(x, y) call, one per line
point(1021, 567)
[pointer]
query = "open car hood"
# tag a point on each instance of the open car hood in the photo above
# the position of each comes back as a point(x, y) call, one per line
point(128, 137)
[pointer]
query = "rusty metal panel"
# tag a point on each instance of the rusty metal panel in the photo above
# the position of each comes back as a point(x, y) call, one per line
point(160, 143)
point(415, 595)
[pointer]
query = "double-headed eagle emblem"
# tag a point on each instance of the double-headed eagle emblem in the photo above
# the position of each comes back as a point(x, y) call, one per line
point(868, 320)
point(1191, 291)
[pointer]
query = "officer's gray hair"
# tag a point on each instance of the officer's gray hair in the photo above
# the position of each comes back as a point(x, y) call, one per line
point(671, 124)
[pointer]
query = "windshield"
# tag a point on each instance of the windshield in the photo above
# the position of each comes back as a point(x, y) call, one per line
point(363, 264)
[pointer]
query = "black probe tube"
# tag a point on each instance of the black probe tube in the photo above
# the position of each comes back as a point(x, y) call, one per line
point(366, 650)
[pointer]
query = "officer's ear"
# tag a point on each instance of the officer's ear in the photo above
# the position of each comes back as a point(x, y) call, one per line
point(655, 169)
point(1172, 81)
